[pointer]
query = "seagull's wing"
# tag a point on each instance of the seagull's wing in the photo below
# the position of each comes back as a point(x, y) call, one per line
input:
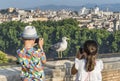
point(55, 46)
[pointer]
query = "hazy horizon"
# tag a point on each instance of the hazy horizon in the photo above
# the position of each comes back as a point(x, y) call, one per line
point(35, 3)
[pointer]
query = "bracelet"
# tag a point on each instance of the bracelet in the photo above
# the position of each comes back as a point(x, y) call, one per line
point(43, 58)
point(40, 50)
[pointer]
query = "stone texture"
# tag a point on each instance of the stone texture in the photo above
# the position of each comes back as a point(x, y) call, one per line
point(60, 71)
point(10, 74)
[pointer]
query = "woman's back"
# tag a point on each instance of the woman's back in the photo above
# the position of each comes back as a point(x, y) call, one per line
point(88, 68)
point(83, 75)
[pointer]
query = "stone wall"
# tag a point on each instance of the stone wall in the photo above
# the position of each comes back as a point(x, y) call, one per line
point(111, 75)
point(111, 70)
point(60, 71)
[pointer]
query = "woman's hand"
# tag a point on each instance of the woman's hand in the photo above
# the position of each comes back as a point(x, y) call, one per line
point(79, 55)
point(41, 42)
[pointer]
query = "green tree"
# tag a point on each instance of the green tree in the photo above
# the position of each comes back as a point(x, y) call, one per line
point(3, 57)
point(53, 31)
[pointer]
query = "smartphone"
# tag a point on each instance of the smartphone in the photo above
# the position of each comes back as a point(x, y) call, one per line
point(37, 40)
point(81, 50)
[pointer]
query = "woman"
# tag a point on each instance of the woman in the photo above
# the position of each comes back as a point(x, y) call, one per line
point(88, 68)
point(30, 58)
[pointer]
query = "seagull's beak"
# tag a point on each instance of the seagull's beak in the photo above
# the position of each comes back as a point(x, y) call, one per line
point(67, 38)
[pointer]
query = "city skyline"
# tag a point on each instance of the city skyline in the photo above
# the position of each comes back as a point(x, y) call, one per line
point(35, 3)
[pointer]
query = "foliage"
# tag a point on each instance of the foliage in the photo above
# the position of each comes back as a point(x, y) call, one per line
point(3, 57)
point(53, 31)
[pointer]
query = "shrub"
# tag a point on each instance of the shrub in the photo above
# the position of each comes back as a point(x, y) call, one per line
point(3, 58)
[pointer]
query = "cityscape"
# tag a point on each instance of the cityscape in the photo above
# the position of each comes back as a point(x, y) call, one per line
point(87, 17)
point(72, 21)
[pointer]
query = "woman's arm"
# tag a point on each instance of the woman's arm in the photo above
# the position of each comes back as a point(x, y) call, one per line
point(73, 70)
point(75, 65)
point(43, 56)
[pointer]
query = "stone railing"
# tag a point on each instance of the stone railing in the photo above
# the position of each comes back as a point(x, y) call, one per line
point(59, 70)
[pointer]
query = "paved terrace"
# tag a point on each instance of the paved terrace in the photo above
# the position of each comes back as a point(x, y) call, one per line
point(59, 70)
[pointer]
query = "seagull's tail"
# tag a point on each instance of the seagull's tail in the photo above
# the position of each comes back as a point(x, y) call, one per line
point(51, 48)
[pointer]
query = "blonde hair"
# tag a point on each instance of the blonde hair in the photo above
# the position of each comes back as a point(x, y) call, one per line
point(91, 48)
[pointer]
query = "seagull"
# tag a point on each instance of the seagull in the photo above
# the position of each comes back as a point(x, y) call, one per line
point(60, 46)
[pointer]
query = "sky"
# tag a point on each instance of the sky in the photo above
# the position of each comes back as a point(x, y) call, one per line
point(35, 3)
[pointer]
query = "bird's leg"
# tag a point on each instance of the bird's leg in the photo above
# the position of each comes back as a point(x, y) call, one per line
point(61, 55)
point(58, 55)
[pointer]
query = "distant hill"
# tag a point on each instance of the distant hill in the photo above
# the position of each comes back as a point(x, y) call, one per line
point(111, 7)
point(56, 7)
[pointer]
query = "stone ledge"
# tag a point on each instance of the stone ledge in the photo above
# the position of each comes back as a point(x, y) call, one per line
point(55, 70)
point(111, 63)
point(10, 74)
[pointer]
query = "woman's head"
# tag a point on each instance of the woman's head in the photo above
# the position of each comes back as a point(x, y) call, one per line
point(29, 32)
point(90, 48)
point(29, 35)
